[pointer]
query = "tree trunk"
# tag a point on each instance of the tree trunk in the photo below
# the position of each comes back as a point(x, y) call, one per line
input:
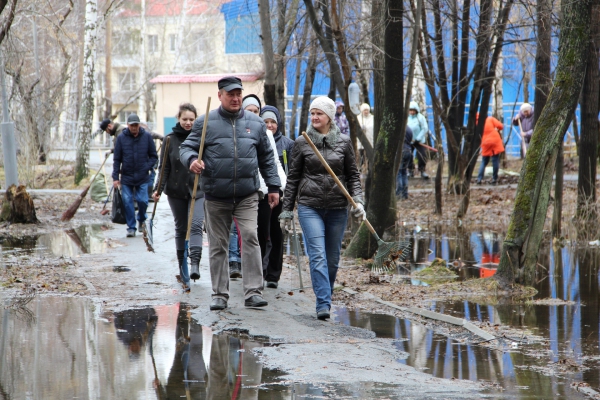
point(381, 210)
point(142, 62)
point(18, 207)
point(264, 12)
point(439, 197)
point(588, 147)
point(309, 79)
point(558, 193)
point(543, 80)
point(522, 242)
point(87, 102)
point(108, 70)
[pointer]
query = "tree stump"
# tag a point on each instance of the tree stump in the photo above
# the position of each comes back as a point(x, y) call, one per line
point(17, 206)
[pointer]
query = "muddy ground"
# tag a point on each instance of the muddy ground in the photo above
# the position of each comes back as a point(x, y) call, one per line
point(127, 276)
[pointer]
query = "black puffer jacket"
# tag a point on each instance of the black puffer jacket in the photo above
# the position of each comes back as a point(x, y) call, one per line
point(177, 180)
point(309, 181)
point(236, 146)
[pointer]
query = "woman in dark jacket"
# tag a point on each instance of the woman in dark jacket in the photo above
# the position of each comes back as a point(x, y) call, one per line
point(322, 207)
point(178, 184)
point(272, 273)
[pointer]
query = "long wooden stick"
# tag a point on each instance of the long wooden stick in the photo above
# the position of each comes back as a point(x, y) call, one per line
point(336, 179)
point(200, 151)
point(523, 144)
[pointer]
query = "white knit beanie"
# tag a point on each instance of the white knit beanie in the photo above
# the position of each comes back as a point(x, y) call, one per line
point(526, 107)
point(324, 104)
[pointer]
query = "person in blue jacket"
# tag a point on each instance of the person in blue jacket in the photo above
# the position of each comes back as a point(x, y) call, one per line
point(418, 125)
point(134, 158)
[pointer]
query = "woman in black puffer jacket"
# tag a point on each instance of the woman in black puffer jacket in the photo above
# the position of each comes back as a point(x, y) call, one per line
point(178, 185)
point(322, 207)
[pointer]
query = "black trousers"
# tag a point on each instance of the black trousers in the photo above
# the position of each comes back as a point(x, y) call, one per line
point(275, 266)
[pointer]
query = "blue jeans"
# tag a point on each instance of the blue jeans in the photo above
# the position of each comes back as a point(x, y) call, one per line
point(495, 166)
point(141, 196)
point(402, 177)
point(234, 244)
point(323, 231)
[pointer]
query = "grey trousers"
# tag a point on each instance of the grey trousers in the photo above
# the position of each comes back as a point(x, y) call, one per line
point(218, 224)
point(181, 209)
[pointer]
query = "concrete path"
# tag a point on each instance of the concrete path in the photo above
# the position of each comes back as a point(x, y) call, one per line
point(308, 350)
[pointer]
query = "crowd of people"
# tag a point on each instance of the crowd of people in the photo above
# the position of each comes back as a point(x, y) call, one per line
point(251, 177)
point(242, 180)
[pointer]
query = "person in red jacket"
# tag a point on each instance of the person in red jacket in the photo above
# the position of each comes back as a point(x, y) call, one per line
point(491, 147)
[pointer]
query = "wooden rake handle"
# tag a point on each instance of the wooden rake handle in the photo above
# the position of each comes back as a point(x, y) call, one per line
point(200, 151)
point(161, 173)
point(336, 179)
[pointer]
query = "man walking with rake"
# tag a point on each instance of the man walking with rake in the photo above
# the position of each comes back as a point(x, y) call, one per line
point(236, 144)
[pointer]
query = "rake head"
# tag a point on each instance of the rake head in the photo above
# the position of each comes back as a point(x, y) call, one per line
point(148, 235)
point(388, 254)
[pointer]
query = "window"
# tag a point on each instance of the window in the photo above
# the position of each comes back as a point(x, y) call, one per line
point(172, 42)
point(201, 44)
point(127, 81)
point(152, 43)
point(124, 114)
point(124, 42)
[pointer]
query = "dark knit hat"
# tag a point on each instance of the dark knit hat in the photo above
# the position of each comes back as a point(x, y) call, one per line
point(104, 124)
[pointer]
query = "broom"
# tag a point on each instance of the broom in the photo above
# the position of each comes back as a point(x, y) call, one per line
point(148, 231)
point(70, 213)
point(387, 252)
point(184, 264)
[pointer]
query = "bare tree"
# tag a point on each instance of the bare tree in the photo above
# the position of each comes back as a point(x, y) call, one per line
point(521, 245)
point(588, 142)
point(381, 209)
point(87, 102)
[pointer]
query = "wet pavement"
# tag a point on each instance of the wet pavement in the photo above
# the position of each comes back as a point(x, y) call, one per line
point(85, 239)
point(155, 352)
point(172, 346)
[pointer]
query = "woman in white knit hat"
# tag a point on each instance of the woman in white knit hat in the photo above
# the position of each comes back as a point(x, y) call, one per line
point(525, 117)
point(322, 207)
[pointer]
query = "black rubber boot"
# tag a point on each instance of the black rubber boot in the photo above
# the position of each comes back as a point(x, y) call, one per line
point(180, 254)
point(195, 256)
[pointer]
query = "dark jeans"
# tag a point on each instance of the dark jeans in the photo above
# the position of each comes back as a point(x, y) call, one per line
point(402, 177)
point(495, 166)
point(140, 195)
point(180, 209)
point(234, 244)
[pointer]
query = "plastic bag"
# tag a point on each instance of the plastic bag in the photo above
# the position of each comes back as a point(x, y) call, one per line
point(98, 188)
point(118, 208)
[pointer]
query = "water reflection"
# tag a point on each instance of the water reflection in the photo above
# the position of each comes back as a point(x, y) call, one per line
point(71, 242)
point(567, 274)
point(447, 358)
point(72, 351)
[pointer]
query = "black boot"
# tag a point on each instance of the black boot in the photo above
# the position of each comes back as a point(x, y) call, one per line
point(180, 254)
point(195, 255)
point(235, 269)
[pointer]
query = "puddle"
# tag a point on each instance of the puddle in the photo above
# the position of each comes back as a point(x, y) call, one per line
point(443, 357)
point(62, 348)
point(571, 331)
point(68, 243)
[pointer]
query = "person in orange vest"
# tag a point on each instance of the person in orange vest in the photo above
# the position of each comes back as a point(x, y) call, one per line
point(491, 147)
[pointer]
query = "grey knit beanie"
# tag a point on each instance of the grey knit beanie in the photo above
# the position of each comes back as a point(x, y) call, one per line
point(269, 114)
point(324, 104)
point(250, 101)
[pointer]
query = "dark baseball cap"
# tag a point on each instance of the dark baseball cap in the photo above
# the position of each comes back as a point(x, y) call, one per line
point(229, 83)
point(133, 119)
